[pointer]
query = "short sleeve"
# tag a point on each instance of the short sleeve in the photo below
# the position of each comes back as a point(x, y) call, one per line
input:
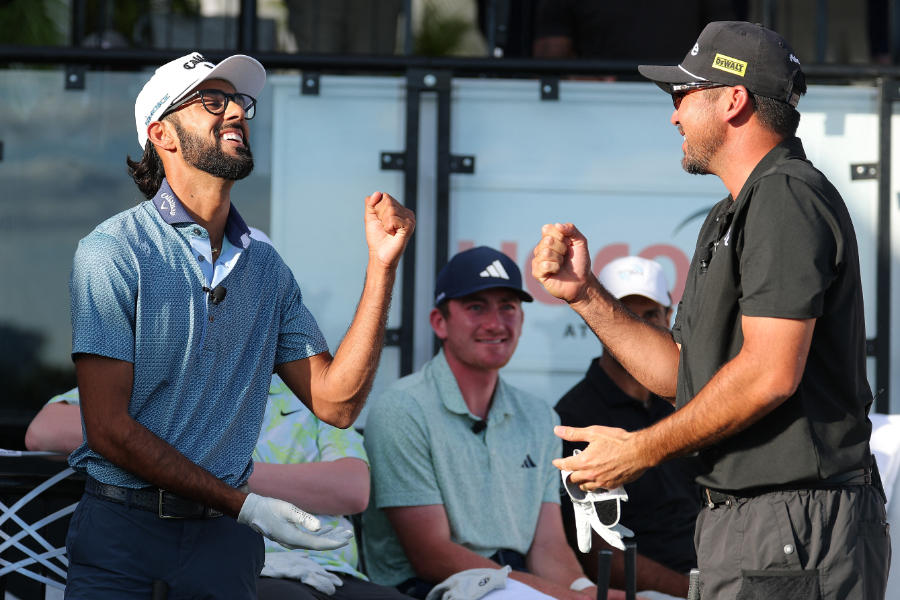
point(789, 251)
point(337, 443)
point(291, 433)
point(70, 397)
point(400, 453)
point(103, 290)
point(299, 334)
point(676, 327)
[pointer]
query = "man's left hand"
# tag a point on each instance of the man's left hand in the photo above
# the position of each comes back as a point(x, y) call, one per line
point(389, 226)
point(610, 460)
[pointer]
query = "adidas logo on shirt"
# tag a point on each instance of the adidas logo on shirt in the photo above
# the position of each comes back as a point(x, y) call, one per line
point(495, 269)
point(528, 463)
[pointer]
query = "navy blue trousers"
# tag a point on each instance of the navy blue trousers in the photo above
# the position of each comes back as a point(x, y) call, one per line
point(118, 552)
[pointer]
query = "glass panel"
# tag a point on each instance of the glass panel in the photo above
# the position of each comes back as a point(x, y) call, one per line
point(328, 161)
point(63, 172)
point(605, 158)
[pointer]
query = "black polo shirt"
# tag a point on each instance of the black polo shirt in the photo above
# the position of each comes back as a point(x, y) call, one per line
point(784, 248)
point(663, 503)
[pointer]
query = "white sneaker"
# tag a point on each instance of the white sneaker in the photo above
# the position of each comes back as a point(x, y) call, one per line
point(588, 504)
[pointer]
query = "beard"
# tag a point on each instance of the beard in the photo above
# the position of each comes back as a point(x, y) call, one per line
point(700, 151)
point(210, 157)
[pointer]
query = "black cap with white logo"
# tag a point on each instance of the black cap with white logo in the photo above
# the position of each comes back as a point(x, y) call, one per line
point(478, 269)
point(734, 53)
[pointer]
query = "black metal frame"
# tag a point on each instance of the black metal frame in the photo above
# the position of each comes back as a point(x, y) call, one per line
point(889, 94)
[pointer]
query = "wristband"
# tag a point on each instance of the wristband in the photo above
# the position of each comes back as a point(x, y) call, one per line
point(581, 583)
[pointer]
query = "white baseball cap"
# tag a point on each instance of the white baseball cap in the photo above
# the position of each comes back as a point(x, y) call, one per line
point(174, 80)
point(636, 276)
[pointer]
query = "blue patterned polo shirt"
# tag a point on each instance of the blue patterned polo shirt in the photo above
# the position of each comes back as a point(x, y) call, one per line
point(201, 370)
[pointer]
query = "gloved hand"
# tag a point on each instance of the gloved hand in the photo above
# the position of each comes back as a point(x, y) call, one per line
point(294, 565)
point(471, 584)
point(586, 505)
point(286, 524)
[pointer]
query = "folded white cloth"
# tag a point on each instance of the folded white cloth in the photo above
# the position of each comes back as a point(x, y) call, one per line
point(585, 505)
point(472, 584)
point(293, 565)
point(885, 443)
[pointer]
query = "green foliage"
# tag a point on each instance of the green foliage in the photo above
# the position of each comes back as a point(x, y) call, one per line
point(185, 7)
point(103, 17)
point(439, 35)
point(30, 23)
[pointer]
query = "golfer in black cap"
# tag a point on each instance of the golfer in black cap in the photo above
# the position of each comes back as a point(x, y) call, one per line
point(767, 358)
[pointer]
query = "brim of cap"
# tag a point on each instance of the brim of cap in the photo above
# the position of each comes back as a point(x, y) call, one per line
point(244, 72)
point(666, 75)
point(665, 301)
point(523, 295)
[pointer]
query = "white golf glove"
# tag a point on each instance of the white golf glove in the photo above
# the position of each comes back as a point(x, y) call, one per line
point(471, 584)
point(586, 505)
point(294, 565)
point(291, 527)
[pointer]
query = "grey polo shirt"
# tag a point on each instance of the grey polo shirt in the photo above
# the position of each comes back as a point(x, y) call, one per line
point(423, 451)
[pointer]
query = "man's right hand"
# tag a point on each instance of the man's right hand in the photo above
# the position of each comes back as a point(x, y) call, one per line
point(562, 262)
point(389, 227)
point(288, 525)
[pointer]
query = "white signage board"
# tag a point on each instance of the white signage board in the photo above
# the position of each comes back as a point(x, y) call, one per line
point(604, 156)
point(607, 158)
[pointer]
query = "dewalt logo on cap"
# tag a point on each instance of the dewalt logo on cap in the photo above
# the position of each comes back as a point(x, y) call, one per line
point(729, 65)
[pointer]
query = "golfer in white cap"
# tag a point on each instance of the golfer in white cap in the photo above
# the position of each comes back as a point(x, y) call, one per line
point(178, 321)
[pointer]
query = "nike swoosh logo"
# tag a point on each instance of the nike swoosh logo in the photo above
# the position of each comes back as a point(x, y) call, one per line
point(284, 414)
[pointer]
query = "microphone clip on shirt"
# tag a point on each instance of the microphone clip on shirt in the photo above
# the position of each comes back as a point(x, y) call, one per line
point(216, 294)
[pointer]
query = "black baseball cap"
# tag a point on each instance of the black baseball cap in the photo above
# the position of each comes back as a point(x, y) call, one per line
point(734, 53)
point(478, 269)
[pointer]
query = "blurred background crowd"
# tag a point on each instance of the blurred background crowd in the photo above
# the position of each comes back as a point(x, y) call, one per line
point(821, 30)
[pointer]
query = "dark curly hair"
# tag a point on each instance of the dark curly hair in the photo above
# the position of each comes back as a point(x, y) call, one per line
point(148, 173)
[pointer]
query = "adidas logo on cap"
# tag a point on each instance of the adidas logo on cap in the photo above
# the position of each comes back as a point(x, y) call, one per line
point(477, 269)
point(495, 269)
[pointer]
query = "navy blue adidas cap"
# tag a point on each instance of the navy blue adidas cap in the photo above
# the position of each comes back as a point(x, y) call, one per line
point(478, 269)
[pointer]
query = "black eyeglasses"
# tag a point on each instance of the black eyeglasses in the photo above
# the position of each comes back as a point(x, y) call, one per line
point(216, 101)
point(680, 90)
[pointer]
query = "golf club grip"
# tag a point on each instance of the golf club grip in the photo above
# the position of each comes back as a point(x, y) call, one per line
point(604, 564)
point(694, 585)
point(630, 571)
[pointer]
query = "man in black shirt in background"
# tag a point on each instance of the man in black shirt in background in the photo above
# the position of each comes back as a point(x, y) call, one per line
point(662, 504)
